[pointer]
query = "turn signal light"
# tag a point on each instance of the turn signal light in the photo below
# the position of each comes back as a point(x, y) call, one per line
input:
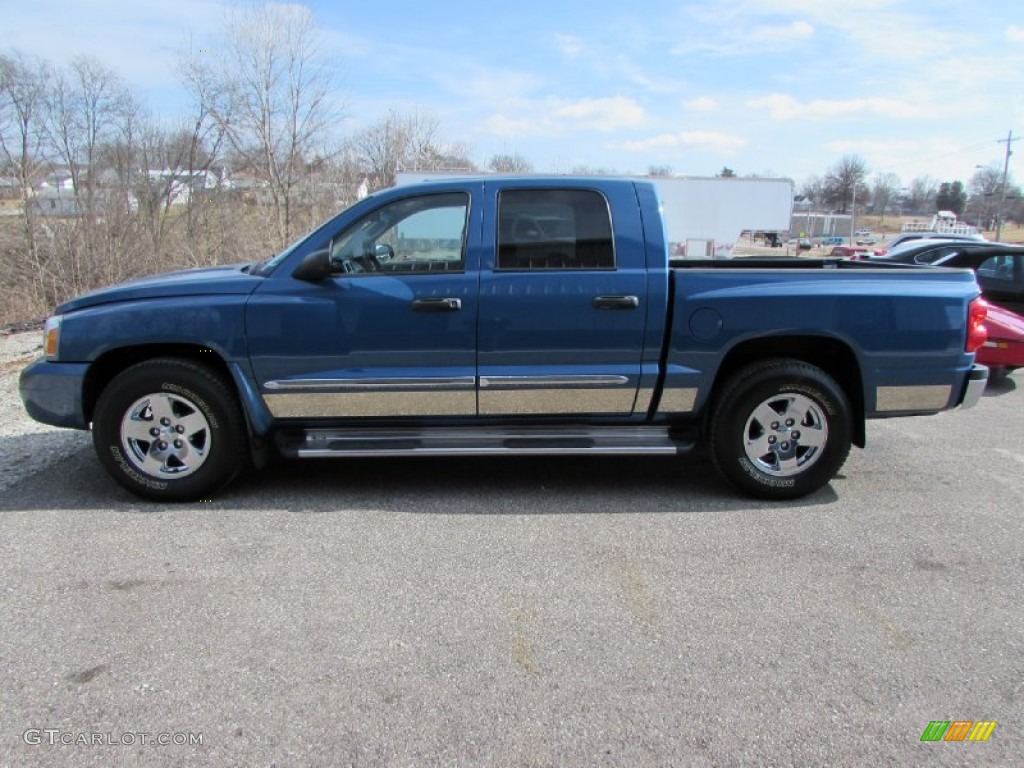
point(977, 334)
point(51, 337)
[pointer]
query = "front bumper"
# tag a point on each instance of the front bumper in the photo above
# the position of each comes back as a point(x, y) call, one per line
point(53, 393)
point(975, 386)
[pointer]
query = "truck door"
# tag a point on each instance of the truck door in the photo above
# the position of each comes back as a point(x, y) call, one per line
point(562, 302)
point(392, 335)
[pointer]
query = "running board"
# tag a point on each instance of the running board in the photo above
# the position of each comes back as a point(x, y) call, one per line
point(460, 441)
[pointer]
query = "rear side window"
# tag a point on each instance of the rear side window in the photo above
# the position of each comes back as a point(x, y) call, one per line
point(936, 255)
point(554, 229)
point(997, 268)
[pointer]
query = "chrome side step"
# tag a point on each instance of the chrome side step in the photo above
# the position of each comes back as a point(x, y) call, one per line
point(456, 441)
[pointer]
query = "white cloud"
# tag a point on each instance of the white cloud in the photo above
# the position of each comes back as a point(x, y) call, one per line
point(142, 45)
point(910, 157)
point(553, 116)
point(782, 106)
point(701, 104)
point(710, 140)
point(1015, 33)
point(791, 32)
point(734, 36)
point(503, 125)
point(607, 114)
point(569, 45)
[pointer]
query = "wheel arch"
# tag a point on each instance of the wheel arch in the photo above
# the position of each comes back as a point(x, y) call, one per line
point(831, 355)
point(112, 362)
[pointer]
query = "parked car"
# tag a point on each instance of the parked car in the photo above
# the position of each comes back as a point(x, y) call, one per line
point(1000, 272)
point(936, 248)
point(999, 267)
point(856, 252)
point(1003, 352)
point(862, 233)
point(904, 237)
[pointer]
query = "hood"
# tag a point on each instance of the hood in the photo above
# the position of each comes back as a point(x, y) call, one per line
point(204, 281)
point(1003, 324)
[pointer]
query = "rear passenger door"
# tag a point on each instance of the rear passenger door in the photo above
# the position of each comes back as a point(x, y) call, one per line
point(562, 302)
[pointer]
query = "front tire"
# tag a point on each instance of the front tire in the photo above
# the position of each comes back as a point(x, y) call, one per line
point(169, 430)
point(781, 429)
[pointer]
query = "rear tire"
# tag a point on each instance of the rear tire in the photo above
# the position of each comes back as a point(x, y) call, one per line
point(170, 430)
point(781, 429)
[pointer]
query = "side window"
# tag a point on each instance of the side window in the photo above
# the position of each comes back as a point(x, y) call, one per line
point(412, 236)
point(997, 268)
point(936, 255)
point(544, 229)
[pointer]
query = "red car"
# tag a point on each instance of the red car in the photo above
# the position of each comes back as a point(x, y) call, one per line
point(856, 252)
point(1004, 350)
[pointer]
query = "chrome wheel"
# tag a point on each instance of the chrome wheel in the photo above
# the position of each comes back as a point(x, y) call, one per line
point(785, 435)
point(165, 436)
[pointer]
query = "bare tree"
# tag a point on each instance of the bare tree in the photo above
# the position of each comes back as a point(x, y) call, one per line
point(407, 141)
point(921, 194)
point(813, 189)
point(844, 179)
point(884, 191)
point(983, 188)
point(22, 106)
point(271, 95)
point(510, 163)
point(89, 106)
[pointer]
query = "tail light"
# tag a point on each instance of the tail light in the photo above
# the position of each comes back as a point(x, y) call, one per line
point(977, 334)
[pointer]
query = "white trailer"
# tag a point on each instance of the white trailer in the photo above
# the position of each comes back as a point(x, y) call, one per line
point(703, 216)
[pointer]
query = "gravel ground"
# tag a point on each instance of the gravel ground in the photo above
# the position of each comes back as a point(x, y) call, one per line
point(48, 445)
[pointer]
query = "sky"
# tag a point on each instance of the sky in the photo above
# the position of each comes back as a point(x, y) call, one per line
point(768, 87)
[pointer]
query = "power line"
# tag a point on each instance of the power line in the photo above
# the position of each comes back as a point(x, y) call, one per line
point(959, 151)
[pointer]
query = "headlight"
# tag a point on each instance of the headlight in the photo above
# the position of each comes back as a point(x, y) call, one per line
point(51, 337)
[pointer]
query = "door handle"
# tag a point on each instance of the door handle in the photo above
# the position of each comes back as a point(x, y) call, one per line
point(436, 305)
point(616, 302)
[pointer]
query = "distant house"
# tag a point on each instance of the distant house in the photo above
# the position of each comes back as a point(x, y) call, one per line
point(10, 189)
point(55, 195)
point(50, 201)
point(60, 180)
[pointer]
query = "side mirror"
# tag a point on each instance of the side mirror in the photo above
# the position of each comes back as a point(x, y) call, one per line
point(315, 267)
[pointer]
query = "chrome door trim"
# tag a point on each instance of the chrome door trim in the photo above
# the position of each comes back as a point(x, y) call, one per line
point(678, 400)
point(361, 385)
point(339, 405)
point(552, 382)
point(341, 398)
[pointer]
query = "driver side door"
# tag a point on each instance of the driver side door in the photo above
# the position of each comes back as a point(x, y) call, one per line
point(392, 334)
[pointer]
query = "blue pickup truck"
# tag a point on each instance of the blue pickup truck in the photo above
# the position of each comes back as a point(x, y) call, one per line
point(504, 315)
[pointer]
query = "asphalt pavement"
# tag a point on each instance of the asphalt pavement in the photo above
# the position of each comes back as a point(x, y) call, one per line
point(524, 611)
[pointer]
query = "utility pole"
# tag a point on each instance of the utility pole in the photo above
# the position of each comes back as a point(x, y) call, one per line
point(1002, 193)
